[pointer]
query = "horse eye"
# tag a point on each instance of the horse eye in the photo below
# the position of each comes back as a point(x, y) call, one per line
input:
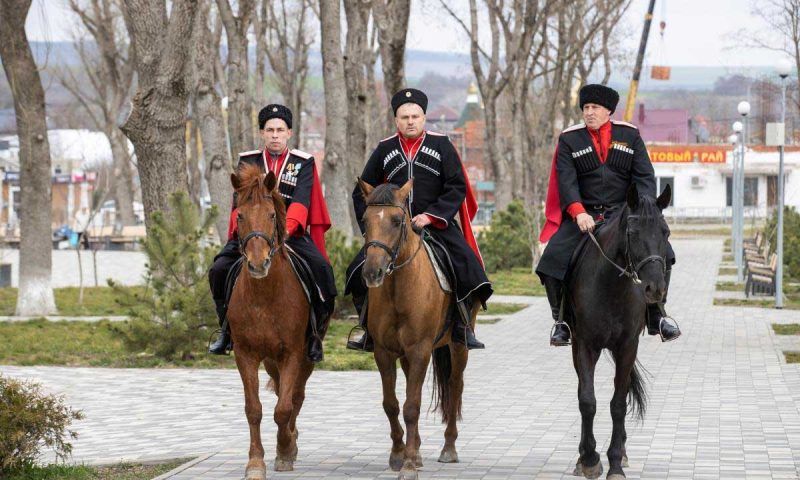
point(397, 220)
point(239, 216)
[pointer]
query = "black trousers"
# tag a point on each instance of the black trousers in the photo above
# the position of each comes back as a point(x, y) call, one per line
point(558, 253)
point(470, 276)
point(303, 246)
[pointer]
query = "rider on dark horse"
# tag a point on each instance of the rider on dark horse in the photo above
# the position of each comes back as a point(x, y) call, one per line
point(306, 219)
point(441, 193)
point(594, 164)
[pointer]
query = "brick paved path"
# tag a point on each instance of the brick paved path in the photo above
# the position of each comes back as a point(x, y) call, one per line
point(723, 404)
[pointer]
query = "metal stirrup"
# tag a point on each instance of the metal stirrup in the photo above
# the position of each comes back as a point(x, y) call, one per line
point(553, 329)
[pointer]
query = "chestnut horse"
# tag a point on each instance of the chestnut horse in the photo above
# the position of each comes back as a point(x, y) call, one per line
point(268, 316)
point(407, 312)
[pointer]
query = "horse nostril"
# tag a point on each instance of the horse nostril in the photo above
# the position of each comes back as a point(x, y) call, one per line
point(379, 272)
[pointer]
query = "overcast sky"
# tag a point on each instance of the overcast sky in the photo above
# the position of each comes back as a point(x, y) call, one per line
point(698, 33)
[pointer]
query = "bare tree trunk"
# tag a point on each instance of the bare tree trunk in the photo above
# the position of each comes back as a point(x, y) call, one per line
point(240, 124)
point(35, 295)
point(208, 115)
point(193, 152)
point(336, 175)
point(357, 15)
point(123, 176)
point(157, 122)
point(391, 18)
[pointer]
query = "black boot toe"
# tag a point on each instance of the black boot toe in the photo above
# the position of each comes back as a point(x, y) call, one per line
point(561, 335)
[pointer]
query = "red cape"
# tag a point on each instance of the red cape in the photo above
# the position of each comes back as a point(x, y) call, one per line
point(466, 213)
point(552, 206)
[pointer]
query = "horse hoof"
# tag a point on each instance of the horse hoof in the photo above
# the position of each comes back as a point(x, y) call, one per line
point(255, 473)
point(448, 456)
point(282, 465)
point(418, 461)
point(408, 475)
point(593, 472)
point(396, 461)
point(616, 476)
point(625, 463)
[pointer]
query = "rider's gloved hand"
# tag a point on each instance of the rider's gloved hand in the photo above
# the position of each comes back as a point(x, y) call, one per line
point(585, 222)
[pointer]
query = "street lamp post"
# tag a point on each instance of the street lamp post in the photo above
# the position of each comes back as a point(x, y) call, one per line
point(737, 206)
point(734, 141)
point(784, 67)
point(744, 110)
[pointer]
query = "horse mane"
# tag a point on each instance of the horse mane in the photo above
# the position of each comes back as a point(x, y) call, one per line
point(648, 208)
point(383, 194)
point(253, 191)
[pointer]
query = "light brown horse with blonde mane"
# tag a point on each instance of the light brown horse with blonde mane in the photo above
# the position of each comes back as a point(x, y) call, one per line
point(268, 316)
point(407, 313)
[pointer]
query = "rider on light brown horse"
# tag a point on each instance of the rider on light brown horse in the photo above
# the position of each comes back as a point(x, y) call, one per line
point(441, 194)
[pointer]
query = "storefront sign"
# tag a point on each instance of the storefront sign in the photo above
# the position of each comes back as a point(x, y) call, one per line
point(687, 154)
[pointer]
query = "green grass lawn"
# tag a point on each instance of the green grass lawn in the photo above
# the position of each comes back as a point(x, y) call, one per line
point(517, 281)
point(792, 357)
point(730, 287)
point(502, 308)
point(97, 301)
point(727, 271)
point(97, 344)
point(123, 471)
point(786, 328)
point(792, 302)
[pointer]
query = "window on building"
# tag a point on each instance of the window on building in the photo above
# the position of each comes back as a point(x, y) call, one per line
point(662, 182)
point(750, 191)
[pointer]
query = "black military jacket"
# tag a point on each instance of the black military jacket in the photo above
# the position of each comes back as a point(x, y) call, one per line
point(439, 183)
point(583, 178)
point(296, 177)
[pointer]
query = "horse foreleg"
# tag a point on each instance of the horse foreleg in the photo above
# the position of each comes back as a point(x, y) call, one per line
point(458, 363)
point(417, 438)
point(248, 371)
point(585, 359)
point(289, 373)
point(625, 361)
point(418, 361)
point(387, 365)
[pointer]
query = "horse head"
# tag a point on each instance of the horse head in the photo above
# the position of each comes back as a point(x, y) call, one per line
point(387, 222)
point(261, 220)
point(645, 238)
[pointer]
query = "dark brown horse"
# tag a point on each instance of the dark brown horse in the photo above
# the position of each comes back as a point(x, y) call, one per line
point(268, 316)
point(609, 290)
point(408, 321)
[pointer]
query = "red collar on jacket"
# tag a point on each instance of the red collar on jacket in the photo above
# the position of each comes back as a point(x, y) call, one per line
point(410, 145)
point(601, 138)
point(274, 166)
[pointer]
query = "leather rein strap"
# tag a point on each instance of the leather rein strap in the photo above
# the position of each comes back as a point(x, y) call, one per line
point(394, 252)
point(631, 271)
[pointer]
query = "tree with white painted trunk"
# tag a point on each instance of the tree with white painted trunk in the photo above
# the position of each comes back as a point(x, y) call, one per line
point(35, 296)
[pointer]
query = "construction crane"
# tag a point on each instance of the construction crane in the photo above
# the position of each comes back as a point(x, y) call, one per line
point(637, 70)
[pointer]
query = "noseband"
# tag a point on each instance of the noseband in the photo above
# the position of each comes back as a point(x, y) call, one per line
point(631, 270)
point(393, 251)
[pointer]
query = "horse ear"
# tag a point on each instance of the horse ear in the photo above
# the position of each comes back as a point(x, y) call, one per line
point(401, 195)
point(365, 187)
point(270, 181)
point(663, 200)
point(633, 197)
point(235, 181)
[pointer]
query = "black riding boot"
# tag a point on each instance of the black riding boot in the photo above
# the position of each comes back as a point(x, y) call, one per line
point(657, 323)
point(224, 344)
point(462, 331)
point(560, 336)
point(365, 343)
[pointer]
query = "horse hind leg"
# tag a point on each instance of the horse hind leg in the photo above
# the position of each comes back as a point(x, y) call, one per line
point(458, 363)
point(387, 366)
point(248, 370)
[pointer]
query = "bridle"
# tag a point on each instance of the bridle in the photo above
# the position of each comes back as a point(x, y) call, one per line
point(631, 270)
point(394, 251)
point(272, 241)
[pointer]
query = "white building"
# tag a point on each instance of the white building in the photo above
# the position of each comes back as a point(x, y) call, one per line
point(700, 176)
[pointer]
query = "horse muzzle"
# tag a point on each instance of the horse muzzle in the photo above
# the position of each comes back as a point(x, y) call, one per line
point(261, 271)
point(373, 277)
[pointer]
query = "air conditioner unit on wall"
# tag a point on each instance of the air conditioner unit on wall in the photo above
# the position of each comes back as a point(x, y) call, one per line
point(698, 182)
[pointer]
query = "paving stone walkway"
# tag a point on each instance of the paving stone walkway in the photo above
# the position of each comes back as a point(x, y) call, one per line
point(723, 404)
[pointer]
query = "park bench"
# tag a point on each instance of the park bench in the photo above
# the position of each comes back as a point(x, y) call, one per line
point(761, 277)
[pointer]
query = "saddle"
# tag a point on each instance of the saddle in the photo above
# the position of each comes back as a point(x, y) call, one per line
point(319, 314)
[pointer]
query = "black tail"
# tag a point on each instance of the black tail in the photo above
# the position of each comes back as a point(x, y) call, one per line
point(637, 392)
point(442, 398)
